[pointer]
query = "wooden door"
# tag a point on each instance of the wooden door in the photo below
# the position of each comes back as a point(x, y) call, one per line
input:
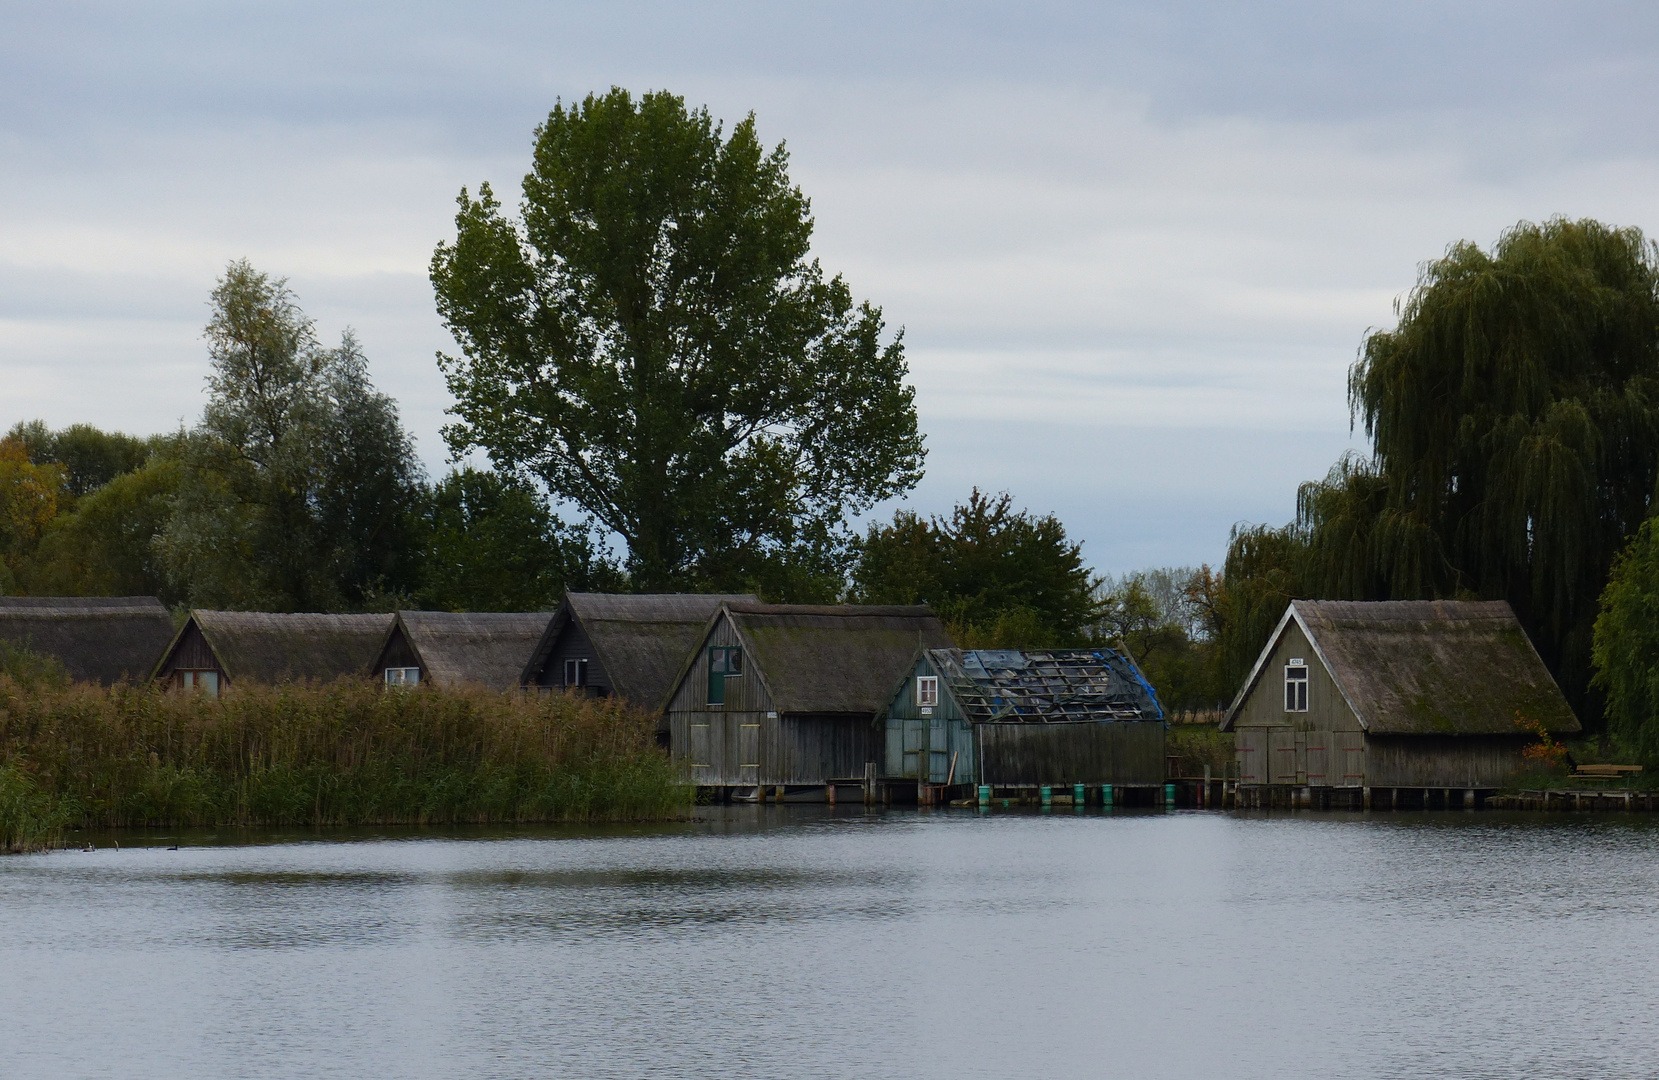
point(1250, 753)
point(938, 750)
point(748, 750)
point(914, 734)
point(1349, 749)
point(1282, 764)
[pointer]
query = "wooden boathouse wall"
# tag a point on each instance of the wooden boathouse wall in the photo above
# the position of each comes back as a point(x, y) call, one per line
point(1125, 753)
point(941, 742)
point(746, 743)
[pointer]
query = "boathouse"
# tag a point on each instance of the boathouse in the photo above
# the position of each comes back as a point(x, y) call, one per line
point(628, 645)
point(97, 639)
point(782, 700)
point(1012, 719)
point(451, 649)
point(1396, 703)
point(214, 649)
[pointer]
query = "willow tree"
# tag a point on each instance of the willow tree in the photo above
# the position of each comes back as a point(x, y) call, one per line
point(652, 341)
point(1514, 417)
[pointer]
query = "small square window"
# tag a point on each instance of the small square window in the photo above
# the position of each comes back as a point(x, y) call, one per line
point(576, 672)
point(927, 691)
point(403, 676)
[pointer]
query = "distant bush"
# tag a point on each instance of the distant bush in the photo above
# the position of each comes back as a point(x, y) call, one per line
point(345, 753)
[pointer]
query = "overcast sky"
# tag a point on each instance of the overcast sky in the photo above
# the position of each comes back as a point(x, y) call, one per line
point(1133, 247)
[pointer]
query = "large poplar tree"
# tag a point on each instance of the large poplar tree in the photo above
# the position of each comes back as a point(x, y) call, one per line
point(651, 339)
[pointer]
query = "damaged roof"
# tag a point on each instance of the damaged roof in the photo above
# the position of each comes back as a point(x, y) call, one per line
point(486, 648)
point(100, 639)
point(641, 639)
point(1427, 667)
point(274, 647)
point(1056, 686)
point(842, 659)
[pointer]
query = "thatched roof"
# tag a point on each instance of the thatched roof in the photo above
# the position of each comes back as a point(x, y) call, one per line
point(269, 647)
point(641, 640)
point(834, 659)
point(486, 648)
point(1427, 667)
point(1058, 686)
point(101, 639)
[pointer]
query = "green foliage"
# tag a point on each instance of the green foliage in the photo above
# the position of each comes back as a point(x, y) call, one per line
point(1163, 619)
point(106, 546)
point(30, 819)
point(1626, 645)
point(90, 457)
point(1514, 416)
point(651, 340)
point(495, 546)
point(29, 669)
point(299, 488)
point(345, 753)
point(999, 578)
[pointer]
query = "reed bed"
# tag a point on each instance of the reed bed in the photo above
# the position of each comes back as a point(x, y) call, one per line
point(345, 753)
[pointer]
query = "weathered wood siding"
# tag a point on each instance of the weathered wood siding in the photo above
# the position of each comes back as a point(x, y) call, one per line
point(573, 643)
point(942, 742)
point(1119, 752)
point(1456, 761)
point(398, 653)
point(720, 744)
point(190, 653)
point(1323, 747)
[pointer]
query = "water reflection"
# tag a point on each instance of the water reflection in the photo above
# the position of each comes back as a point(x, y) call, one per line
point(793, 941)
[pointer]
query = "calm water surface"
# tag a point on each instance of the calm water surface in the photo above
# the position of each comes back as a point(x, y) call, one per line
point(795, 942)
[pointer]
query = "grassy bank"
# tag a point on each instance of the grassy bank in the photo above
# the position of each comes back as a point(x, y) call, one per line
point(349, 753)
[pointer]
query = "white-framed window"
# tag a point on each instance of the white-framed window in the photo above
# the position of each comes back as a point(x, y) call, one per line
point(205, 681)
point(403, 676)
point(1296, 685)
point(927, 691)
point(576, 672)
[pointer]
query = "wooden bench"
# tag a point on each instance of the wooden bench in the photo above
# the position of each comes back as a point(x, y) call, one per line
point(1606, 770)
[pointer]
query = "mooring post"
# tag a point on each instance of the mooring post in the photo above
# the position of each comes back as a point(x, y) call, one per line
point(1077, 797)
point(1046, 793)
point(829, 794)
point(1469, 799)
point(985, 796)
point(1204, 796)
point(1106, 796)
point(869, 783)
point(1169, 796)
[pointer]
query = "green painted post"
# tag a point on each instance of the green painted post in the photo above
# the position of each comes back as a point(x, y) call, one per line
point(1169, 796)
point(1077, 796)
point(985, 796)
point(1048, 796)
point(1106, 796)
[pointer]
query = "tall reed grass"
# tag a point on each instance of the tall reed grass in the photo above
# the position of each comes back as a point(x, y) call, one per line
point(346, 753)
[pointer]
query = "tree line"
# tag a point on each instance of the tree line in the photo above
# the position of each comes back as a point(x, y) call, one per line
point(672, 394)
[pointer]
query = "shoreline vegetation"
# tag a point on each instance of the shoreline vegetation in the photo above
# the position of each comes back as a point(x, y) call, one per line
point(343, 753)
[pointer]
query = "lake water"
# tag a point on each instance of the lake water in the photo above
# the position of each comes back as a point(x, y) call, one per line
point(804, 942)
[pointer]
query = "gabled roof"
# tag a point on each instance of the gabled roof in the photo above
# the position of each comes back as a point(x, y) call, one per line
point(641, 640)
point(841, 659)
point(273, 647)
point(1056, 686)
point(487, 648)
point(100, 639)
point(1426, 667)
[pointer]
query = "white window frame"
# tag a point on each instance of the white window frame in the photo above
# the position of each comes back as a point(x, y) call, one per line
point(1296, 685)
point(927, 691)
point(196, 679)
point(403, 676)
point(580, 663)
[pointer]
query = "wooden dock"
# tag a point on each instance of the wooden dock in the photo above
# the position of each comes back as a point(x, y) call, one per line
point(1577, 799)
